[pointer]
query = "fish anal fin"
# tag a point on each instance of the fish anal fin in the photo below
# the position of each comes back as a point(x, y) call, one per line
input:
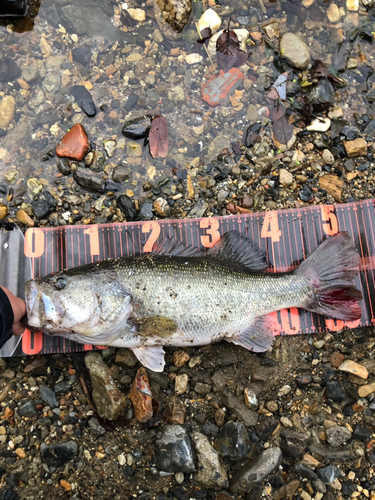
point(151, 357)
point(259, 336)
point(235, 247)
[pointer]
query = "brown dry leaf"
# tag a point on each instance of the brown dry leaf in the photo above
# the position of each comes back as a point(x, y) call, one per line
point(158, 137)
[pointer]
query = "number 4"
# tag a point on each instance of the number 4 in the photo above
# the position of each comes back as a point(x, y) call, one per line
point(270, 228)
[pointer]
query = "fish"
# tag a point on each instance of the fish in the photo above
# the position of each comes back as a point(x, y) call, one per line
point(181, 296)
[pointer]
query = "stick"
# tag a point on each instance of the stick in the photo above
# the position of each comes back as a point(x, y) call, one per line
point(205, 48)
point(83, 383)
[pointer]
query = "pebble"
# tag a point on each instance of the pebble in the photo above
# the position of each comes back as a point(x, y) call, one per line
point(209, 19)
point(295, 49)
point(210, 471)
point(173, 451)
point(24, 218)
point(361, 433)
point(338, 435)
point(251, 400)
point(357, 369)
point(319, 125)
point(110, 147)
point(366, 390)
point(179, 477)
point(285, 177)
point(48, 395)
point(126, 358)
point(256, 470)
point(59, 454)
point(84, 100)
point(20, 453)
point(233, 440)
point(333, 13)
point(272, 406)
point(284, 390)
point(141, 396)
point(328, 157)
point(193, 58)
point(329, 473)
point(335, 391)
point(336, 359)
point(180, 358)
point(7, 110)
point(358, 147)
point(180, 383)
point(75, 144)
point(67, 486)
point(110, 402)
point(137, 14)
point(3, 211)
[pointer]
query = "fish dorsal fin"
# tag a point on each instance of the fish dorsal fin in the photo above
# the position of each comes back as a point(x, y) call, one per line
point(151, 357)
point(234, 247)
point(175, 248)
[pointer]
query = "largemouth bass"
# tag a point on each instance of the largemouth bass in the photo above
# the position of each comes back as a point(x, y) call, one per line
point(180, 296)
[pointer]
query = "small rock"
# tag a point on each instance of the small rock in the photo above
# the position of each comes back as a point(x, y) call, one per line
point(67, 486)
point(338, 435)
point(333, 185)
point(20, 453)
point(82, 55)
point(284, 390)
point(295, 49)
point(210, 429)
point(57, 455)
point(44, 204)
point(126, 357)
point(336, 359)
point(180, 358)
point(175, 412)
point(202, 389)
point(48, 395)
point(180, 383)
point(145, 212)
point(62, 387)
point(179, 477)
point(248, 417)
point(137, 14)
point(110, 402)
point(349, 366)
point(177, 94)
point(110, 147)
point(52, 82)
point(319, 125)
point(272, 406)
point(7, 110)
point(133, 149)
point(251, 400)
point(64, 166)
point(285, 177)
point(193, 58)
point(305, 472)
point(318, 344)
point(30, 72)
point(358, 147)
point(328, 157)
point(198, 210)
point(328, 474)
point(141, 397)
point(310, 461)
point(361, 433)
point(24, 218)
point(121, 174)
point(210, 472)
point(173, 450)
point(161, 207)
point(218, 88)
point(209, 19)
point(88, 180)
point(127, 206)
point(335, 391)
point(75, 144)
point(256, 470)
point(365, 390)
point(95, 428)
point(233, 440)
point(84, 100)
point(136, 128)
point(219, 417)
point(333, 13)
point(3, 212)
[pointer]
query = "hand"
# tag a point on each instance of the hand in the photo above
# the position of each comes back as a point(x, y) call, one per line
point(19, 310)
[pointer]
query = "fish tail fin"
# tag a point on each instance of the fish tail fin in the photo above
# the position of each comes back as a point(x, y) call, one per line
point(331, 269)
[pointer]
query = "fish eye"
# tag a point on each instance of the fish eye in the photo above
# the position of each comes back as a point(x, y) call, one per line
point(60, 283)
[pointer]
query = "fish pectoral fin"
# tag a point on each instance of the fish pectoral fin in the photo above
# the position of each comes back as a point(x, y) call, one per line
point(259, 336)
point(151, 357)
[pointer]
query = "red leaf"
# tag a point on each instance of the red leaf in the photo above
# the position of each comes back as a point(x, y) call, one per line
point(282, 130)
point(158, 137)
point(227, 48)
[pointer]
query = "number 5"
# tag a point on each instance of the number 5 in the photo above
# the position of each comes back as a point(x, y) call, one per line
point(329, 219)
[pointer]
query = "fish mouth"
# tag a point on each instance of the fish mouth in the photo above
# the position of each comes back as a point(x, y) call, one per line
point(42, 310)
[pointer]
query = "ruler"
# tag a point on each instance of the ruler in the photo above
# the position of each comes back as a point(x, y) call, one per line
point(287, 237)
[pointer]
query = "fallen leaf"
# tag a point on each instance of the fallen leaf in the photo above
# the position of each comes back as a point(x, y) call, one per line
point(158, 137)
point(228, 51)
point(205, 34)
point(282, 130)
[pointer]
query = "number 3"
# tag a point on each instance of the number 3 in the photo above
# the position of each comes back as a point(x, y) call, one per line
point(212, 226)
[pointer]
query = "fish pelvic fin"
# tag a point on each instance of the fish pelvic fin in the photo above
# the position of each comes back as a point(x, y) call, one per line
point(259, 336)
point(151, 357)
point(331, 269)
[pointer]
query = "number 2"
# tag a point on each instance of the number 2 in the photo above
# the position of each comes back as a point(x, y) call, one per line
point(155, 231)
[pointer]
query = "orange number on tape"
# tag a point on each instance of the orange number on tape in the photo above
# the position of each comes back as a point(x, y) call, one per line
point(93, 233)
point(37, 342)
point(270, 228)
point(213, 235)
point(34, 243)
point(329, 219)
point(292, 325)
point(336, 325)
point(155, 231)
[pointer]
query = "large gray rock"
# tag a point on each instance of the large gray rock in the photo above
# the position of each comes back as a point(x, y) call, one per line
point(110, 402)
point(210, 472)
point(294, 48)
point(256, 470)
point(173, 450)
point(338, 435)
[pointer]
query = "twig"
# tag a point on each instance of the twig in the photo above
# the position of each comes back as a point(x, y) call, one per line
point(83, 383)
point(205, 48)
point(264, 10)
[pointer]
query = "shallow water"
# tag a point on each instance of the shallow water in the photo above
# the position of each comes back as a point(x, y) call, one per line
point(38, 67)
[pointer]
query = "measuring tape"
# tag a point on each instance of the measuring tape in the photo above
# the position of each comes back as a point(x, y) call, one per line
point(287, 237)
